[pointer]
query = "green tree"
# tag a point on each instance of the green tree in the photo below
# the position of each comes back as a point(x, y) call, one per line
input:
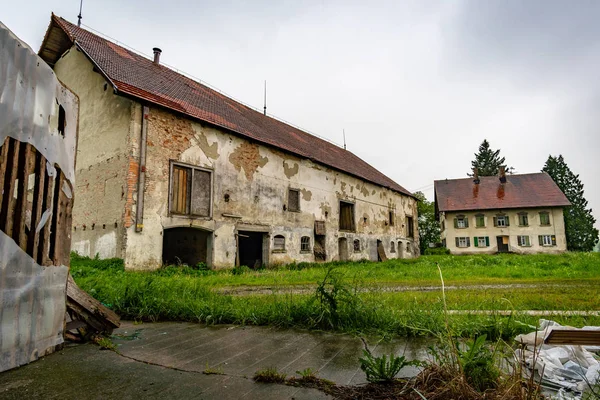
point(429, 227)
point(579, 221)
point(488, 161)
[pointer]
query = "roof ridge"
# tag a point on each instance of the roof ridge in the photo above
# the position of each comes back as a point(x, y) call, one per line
point(137, 76)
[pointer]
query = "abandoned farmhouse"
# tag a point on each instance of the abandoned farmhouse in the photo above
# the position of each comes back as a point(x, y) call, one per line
point(171, 171)
point(505, 213)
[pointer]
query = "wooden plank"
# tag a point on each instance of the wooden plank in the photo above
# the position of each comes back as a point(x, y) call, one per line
point(66, 220)
point(56, 214)
point(381, 252)
point(44, 234)
point(573, 337)
point(20, 215)
point(36, 209)
point(90, 310)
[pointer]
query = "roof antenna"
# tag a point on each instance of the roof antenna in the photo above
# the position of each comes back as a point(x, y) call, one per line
point(344, 131)
point(79, 16)
point(265, 107)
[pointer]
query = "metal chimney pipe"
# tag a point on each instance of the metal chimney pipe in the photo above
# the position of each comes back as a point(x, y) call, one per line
point(157, 52)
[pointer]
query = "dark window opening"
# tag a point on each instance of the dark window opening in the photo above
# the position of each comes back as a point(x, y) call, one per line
point(190, 191)
point(279, 243)
point(305, 244)
point(343, 249)
point(392, 247)
point(293, 200)
point(185, 246)
point(250, 249)
point(346, 216)
point(391, 218)
point(410, 229)
point(356, 246)
point(62, 120)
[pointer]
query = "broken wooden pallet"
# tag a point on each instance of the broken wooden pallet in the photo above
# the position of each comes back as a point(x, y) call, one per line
point(573, 336)
point(88, 315)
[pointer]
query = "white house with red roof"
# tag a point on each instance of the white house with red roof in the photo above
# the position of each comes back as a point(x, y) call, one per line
point(500, 214)
point(171, 171)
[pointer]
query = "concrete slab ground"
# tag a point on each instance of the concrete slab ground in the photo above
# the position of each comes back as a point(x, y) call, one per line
point(167, 360)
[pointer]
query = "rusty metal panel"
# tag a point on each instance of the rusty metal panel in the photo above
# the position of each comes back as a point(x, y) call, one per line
point(38, 137)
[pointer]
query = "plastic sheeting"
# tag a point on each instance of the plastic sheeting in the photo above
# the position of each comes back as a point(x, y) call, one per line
point(568, 370)
point(32, 306)
point(30, 97)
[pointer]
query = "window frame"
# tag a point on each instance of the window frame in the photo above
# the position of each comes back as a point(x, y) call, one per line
point(175, 163)
point(551, 239)
point(464, 239)
point(353, 208)
point(277, 249)
point(477, 242)
point(305, 247)
point(462, 219)
point(504, 221)
point(522, 243)
point(297, 191)
point(391, 218)
point(410, 226)
point(523, 218)
point(477, 217)
point(547, 215)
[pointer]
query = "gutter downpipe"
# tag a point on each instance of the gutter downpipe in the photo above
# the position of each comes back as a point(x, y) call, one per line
point(139, 213)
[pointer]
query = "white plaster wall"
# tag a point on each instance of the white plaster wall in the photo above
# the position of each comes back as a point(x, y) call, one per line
point(534, 229)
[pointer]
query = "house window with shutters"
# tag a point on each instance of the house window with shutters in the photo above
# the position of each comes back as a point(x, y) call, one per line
point(461, 222)
point(392, 247)
point(480, 221)
point(501, 221)
point(347, 216)
point(293, 200)
point(481, 241)
point(190, 191)
point(410, 228)
point(356, 246)
point(523, 219)
point(547, 240)
point(279, 244)
point(544, 218)
point(463, 242)
point(523, 241)
point(305, 244)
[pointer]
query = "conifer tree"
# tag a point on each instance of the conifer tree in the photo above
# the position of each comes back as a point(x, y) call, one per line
point(579, 221)
point(429, 227)
point(488, 161)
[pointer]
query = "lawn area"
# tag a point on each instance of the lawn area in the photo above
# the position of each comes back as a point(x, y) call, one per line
point(383, 298)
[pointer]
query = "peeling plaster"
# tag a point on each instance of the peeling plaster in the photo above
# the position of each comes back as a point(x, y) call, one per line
point(290, 171)
point(211, 150)
point(247, 157)
point(306, 194)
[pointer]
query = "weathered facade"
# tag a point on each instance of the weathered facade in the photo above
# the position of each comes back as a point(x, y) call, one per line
point(235, 188)
point(510, 213)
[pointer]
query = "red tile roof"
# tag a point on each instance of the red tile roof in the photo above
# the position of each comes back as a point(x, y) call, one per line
point(519, 191)
point(138, 77)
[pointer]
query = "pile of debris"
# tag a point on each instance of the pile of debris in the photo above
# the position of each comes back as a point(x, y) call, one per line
point(565, 359)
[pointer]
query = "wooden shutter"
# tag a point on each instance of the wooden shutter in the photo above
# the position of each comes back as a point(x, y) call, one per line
point(455, 222)
point(201, 193)
point(180, 189)
point(487, 241)
point(466, 219)
point(541, 239)
point(456, 240)
point(476, 241)
point(553, 240)
point(507, 220)
point(495, 221)
point(468, 241)
point(319, 227)
point(293, 200)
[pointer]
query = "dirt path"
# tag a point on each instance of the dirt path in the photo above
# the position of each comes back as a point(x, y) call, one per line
point(308, 289)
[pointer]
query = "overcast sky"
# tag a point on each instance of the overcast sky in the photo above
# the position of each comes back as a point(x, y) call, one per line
point(417, 85)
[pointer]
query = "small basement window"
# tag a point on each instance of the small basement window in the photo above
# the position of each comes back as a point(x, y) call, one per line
point(356, 246)
point(279, 243)
point(346, 216)
point(392, 247)
point(305, 244)
point(293, 200)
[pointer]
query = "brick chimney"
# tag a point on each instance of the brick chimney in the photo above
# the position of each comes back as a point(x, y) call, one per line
point(502, 174)
point(476, 176)
point(157, 52)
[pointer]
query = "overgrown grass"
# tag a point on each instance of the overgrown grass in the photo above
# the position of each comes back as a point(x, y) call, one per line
point(344, 298)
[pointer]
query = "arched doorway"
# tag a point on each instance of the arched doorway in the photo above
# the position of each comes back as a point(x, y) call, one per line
point(184, 245)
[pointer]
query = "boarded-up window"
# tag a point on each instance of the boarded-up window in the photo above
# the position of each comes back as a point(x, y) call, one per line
point(279, 243)
point(346, 216)
point(293, 200)
point(190, 191)
point(305, 243)
point(319, 227)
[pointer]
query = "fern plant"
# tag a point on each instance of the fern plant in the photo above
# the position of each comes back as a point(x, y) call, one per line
point(383, 369)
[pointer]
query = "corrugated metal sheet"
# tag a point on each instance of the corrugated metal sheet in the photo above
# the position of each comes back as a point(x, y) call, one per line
point(38, 137)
